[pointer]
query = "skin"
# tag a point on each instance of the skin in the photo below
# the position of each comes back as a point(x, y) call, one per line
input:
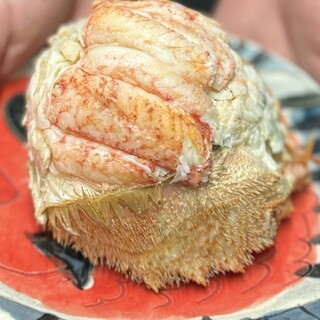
point(25, 26)
point(286, 27)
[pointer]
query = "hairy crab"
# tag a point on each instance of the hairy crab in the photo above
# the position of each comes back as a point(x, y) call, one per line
point(153, 148)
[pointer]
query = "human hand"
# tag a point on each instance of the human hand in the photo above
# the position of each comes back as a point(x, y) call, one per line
point(286, 27)
point(25, 26)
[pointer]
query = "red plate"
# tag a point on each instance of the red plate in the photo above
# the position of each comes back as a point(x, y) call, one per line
point(27, 271)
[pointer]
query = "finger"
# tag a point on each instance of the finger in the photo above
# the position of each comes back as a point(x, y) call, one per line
point(29, 26)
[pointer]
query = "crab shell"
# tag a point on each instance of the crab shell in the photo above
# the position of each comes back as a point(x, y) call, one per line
point(153, 148)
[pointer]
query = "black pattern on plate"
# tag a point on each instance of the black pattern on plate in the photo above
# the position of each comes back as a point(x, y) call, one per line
point(79, 266)
point(48, 317)
point(14, 113)
point(304, 312)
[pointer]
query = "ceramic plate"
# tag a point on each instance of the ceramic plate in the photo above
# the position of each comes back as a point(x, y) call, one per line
point(283, 281)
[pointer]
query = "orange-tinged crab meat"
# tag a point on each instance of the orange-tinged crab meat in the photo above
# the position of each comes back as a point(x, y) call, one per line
point(116, 114)
point(186, 58)
point(143, 71)
point(99, 164)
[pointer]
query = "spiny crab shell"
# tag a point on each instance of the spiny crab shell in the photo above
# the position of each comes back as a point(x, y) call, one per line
point(153, 148)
